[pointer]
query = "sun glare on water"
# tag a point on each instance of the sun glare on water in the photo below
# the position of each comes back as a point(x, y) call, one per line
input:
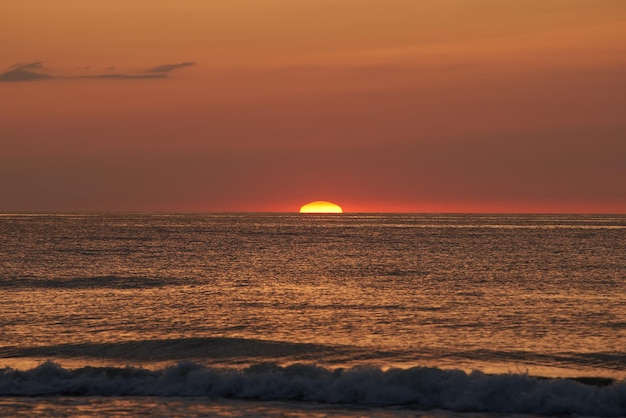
point(321, 206)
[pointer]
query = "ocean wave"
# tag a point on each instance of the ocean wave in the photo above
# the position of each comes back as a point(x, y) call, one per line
point(237, 350)
point(216, 348)
point(91, 282)
point(419, 387)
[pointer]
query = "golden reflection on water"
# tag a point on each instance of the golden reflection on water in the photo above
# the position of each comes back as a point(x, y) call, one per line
point(186, 407)
point(383, 326)
point(543, 296)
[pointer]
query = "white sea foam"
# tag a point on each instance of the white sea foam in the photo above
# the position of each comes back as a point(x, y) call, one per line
point(419, 387)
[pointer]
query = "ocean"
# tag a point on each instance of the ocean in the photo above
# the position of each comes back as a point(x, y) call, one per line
point(293, 315)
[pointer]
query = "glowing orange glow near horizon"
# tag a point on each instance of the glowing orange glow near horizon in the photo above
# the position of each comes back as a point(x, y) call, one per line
point(321, 206)
point(250, 106)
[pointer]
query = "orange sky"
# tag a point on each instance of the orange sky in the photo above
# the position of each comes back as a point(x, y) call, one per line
point(377, 105)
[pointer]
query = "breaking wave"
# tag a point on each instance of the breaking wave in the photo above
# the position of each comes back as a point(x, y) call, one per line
point(419, 387)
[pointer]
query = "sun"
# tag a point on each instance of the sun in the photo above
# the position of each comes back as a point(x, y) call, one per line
point(321, 206)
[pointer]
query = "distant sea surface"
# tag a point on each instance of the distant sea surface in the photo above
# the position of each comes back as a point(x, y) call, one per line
point(312, 315)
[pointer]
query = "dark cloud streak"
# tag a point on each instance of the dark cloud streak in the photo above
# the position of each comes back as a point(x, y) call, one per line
point(166, 68)
point(23, 72)
point(20, 74)
point(120, 76)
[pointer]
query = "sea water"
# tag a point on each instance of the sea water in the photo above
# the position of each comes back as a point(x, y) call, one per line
point(312, 315)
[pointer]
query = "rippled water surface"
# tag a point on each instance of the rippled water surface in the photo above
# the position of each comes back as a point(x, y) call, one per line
point(540, 295)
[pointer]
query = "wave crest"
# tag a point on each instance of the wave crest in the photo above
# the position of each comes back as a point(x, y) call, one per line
point(419, 387)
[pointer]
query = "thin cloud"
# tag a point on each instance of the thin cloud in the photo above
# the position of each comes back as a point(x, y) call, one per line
point(122, 76)
point(26, 72)
point(35, 65)
point(166, 68)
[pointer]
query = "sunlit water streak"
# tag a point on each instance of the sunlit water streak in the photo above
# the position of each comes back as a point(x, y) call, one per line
point(542, 295)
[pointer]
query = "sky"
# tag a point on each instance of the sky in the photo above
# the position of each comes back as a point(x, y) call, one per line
point(376, 105)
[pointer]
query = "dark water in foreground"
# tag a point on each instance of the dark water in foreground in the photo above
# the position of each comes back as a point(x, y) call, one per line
point(296, 315)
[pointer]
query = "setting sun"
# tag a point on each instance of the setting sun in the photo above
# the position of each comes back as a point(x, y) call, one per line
point(321, 206)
